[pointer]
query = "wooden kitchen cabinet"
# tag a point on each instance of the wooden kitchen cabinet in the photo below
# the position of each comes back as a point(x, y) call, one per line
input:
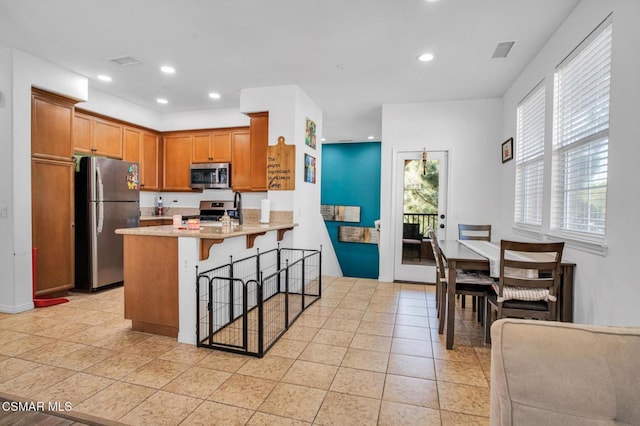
point(176, 172)
point(97, 136)
point(212, 147)
point(52, 192)
point(143, 147)
point(151, 161)
point(259, 127)
point(52, 216)
point(249, 155)
point(241, 161)
point(51, 118)
point(82, 133)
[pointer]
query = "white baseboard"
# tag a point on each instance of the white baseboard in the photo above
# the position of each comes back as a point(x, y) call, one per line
point(16, 309)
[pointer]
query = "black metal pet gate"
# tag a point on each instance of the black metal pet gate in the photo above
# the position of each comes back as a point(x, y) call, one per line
point(246, 305)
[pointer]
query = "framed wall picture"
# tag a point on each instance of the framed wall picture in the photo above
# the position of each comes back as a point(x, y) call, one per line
point(310, 133)
point(309, 168)
point(507, 150)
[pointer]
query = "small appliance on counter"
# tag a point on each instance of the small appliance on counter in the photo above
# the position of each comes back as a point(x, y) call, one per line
point(107, 197)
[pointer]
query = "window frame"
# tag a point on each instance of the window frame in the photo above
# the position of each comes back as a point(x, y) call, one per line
point(530, 152)
point(566, 144)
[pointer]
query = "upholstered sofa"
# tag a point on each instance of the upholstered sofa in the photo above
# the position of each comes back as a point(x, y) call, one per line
point(554, 373)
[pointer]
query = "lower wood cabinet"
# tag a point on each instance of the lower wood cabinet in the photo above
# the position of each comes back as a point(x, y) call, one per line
point(53, 233)
point(151, 284)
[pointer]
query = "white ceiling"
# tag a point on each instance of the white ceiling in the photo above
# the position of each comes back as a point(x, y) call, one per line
point(349, 56)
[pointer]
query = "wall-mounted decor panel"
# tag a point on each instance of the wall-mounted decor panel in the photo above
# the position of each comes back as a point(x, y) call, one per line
point(340, 213)
point(358, 234)
point(281, 166)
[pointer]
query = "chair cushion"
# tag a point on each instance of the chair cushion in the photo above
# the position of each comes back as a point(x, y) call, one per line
point(536, 305)
point(524, 293)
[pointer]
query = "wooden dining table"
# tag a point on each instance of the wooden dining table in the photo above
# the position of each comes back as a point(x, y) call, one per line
point(459, 256)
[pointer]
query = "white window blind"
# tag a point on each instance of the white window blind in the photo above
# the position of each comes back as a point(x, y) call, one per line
point(581, 136)
point(530, 158)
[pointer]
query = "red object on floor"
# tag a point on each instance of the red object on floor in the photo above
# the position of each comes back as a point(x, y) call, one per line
point(47, 301)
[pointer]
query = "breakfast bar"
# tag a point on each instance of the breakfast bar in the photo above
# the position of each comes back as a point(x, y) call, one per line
point(160, 269)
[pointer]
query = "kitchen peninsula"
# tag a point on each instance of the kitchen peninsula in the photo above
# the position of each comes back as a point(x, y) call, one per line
point(160, 269)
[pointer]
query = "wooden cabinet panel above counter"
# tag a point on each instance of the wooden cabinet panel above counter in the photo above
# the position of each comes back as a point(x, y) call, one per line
point(97, 136)
point(165, 158)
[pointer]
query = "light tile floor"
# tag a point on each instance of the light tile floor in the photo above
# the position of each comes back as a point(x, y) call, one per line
point(366, 353)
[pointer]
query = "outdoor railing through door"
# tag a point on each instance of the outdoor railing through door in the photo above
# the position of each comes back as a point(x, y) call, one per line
point(426, 220)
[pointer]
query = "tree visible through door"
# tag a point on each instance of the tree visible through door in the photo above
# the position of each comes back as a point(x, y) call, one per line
point(420, 209)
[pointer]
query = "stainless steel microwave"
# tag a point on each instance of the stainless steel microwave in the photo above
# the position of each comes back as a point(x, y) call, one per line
point(211, 175)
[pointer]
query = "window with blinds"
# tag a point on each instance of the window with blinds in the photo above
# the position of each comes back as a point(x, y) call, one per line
point(581, 136)
point(530, 158)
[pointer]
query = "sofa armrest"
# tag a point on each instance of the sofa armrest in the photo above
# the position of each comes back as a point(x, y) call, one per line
point(559, 373)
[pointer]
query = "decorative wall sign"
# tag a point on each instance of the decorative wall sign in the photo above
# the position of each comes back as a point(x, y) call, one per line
point(358, 234)
point(340, 213)
point(309, 168)
point(310, 133)
point(281, 166)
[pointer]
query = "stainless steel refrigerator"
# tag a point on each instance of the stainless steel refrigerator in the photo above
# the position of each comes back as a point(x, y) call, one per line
point(107, 197)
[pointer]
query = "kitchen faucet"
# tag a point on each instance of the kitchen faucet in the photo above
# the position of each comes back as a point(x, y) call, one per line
point(237, 204)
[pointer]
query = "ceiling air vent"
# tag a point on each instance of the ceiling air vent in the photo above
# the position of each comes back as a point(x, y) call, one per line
point(503, 49)
point(125, 60)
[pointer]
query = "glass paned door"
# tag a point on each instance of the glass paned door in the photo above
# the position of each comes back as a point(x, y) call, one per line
point(420, 204)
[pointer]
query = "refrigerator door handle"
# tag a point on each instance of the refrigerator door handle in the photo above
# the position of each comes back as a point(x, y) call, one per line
point(100, 201)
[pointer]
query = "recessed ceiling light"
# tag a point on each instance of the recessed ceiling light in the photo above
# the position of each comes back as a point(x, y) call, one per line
point(370, 137)
point(431, 1)
point(214, 95)
point(426, 57)
point(103, 77)
point(162, 101)
point(167, 69)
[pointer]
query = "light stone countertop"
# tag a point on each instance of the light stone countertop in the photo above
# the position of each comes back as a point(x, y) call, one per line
point(147, 217)
point(208, 230)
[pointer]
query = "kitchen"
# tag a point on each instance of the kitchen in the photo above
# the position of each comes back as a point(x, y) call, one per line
point(164, 161)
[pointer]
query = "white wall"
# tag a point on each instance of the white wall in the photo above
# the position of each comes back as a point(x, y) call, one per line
point(288, 108)
point(7, 291)
point(202, 119)
point(606, 290)
point(26, 71)
point(471, 132)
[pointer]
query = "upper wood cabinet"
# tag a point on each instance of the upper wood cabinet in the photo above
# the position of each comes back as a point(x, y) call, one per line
point(97, 136)
point(241, 161)
point(211, 147)
point(176, 174)
point(249, 155)
point(151, 162)
point(259, 142)
point(143, 147)
point(51, 118)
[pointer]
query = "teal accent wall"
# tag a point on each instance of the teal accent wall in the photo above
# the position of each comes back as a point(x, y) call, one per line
point(351, 177)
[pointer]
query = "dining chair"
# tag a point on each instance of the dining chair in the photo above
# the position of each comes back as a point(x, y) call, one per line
point(467, 283)
point(474, 232)
point(411, 237)
point(528, 283)
point(478, 233)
